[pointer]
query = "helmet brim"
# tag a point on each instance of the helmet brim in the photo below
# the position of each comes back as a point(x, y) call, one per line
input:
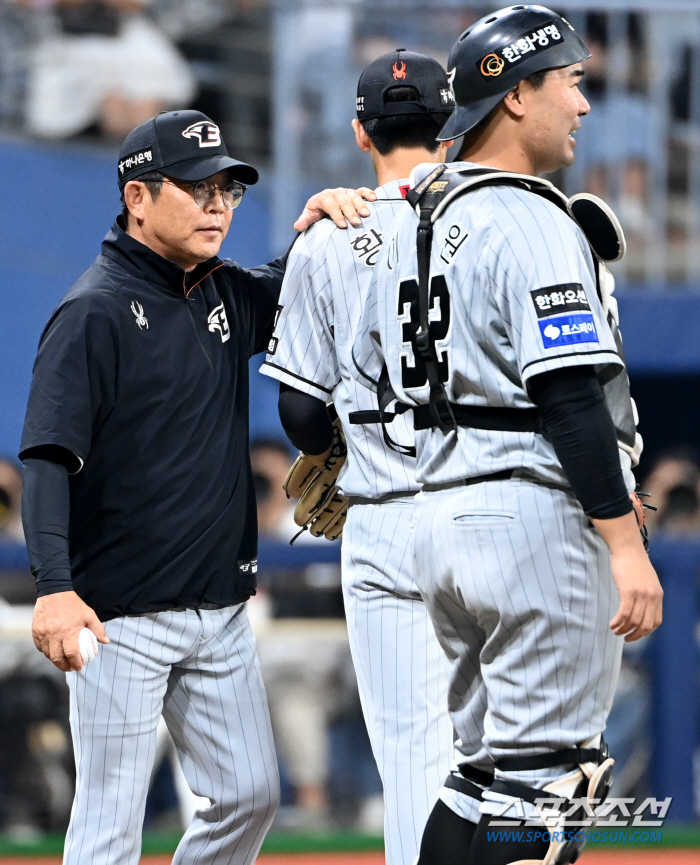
point(465, 117)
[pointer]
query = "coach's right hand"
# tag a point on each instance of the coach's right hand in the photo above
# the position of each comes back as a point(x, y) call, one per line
point(641, 595)
point(58, 619)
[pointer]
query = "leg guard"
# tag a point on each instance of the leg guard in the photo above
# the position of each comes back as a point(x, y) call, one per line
point(507, 843)
point(589, 785)
point(447, 838)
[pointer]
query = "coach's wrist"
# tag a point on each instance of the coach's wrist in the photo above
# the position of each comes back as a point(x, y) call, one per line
point(54, 586)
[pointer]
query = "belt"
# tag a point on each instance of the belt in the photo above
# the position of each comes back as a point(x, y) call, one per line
point(181, 608)
point(486, 417)
point(387, 497)
point(504, 475)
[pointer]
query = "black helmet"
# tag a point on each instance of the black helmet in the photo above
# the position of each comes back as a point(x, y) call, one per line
point(492, 56)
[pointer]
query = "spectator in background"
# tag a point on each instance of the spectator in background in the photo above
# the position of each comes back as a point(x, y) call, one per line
point(182, 18)
point(680, 517)
point(673, 468)
point(21, 26)
point(619, 139)
point(36, 784)
point(10, 501)
point(36, 767)
point(271, 460)
point(104, 62)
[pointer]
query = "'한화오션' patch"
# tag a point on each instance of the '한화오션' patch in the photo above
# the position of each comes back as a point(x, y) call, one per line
point(556, 299)
point(568, 330)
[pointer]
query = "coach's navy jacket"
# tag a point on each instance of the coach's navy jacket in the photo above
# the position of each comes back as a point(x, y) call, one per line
point(142, 374)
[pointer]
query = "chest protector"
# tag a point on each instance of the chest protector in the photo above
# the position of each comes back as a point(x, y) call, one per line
point(430, 199)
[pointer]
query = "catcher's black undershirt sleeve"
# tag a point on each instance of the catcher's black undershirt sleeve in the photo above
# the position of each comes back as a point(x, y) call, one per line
point(45, 513)
point(305, 420)
point(577, 422)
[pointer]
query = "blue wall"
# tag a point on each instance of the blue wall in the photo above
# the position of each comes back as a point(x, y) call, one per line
point(661, 329)
point(57, 203)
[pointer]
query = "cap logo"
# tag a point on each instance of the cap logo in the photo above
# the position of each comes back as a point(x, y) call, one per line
point(360, 104)
point(529, 44)
point(206, 132)
point(399, 70)
point(492, 66)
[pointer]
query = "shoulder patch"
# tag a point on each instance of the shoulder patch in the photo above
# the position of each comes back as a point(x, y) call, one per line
point(274, 341)
point(568, 330)
point(556, 299)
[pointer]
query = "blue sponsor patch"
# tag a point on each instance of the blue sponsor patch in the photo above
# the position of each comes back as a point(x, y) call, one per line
point(567, 330)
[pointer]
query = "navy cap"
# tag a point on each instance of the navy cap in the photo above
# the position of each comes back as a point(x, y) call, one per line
point(185, 145)
point(403, 68)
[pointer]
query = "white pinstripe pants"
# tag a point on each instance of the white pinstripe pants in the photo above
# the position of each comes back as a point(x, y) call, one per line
point(520, 589)
point(401, 670)
point(199, 669)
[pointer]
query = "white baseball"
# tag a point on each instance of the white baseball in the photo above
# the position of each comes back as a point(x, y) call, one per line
point(87, 642)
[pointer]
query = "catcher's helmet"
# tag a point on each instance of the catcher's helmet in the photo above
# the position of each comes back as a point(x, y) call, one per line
point(497, 52)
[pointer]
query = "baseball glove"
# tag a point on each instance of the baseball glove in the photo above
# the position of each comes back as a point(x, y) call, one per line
point(321, 509)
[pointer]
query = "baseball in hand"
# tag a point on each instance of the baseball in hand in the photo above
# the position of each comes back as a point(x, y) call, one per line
point(87, 642)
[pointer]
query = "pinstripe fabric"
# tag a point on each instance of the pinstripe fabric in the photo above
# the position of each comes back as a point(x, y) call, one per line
point(517, 582)
point(401, 672)
point(493, 247)
point(199, 669)
point(520, 589)
point(398, 661)
point(323, 294)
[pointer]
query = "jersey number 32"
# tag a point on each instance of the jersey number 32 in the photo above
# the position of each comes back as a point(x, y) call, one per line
point(415, 375)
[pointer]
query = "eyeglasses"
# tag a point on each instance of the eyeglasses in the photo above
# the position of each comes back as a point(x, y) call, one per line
point(204, 192)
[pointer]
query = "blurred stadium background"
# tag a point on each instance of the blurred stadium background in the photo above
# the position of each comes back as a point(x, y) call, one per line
point(279, 77)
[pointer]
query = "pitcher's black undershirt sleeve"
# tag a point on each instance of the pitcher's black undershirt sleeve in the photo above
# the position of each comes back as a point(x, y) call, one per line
point(306, 420)
point(577, 422)
point(45, 514)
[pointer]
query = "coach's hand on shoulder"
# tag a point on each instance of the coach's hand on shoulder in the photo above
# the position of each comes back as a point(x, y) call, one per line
point(58, 619)
point(641, 595)
point(341, 205)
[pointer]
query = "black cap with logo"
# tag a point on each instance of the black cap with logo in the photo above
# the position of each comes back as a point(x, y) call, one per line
point(186, 145)
point(403, 68)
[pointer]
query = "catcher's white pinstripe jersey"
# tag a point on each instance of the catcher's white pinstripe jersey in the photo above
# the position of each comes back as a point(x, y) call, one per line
point(323, 294)
point(511, 569)
point(512, 295)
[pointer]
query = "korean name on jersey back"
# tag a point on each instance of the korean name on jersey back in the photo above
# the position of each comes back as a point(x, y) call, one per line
point(367, 246)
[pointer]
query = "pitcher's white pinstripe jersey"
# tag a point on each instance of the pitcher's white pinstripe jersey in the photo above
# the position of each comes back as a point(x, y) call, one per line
point(324, 291)
point(512, 295)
